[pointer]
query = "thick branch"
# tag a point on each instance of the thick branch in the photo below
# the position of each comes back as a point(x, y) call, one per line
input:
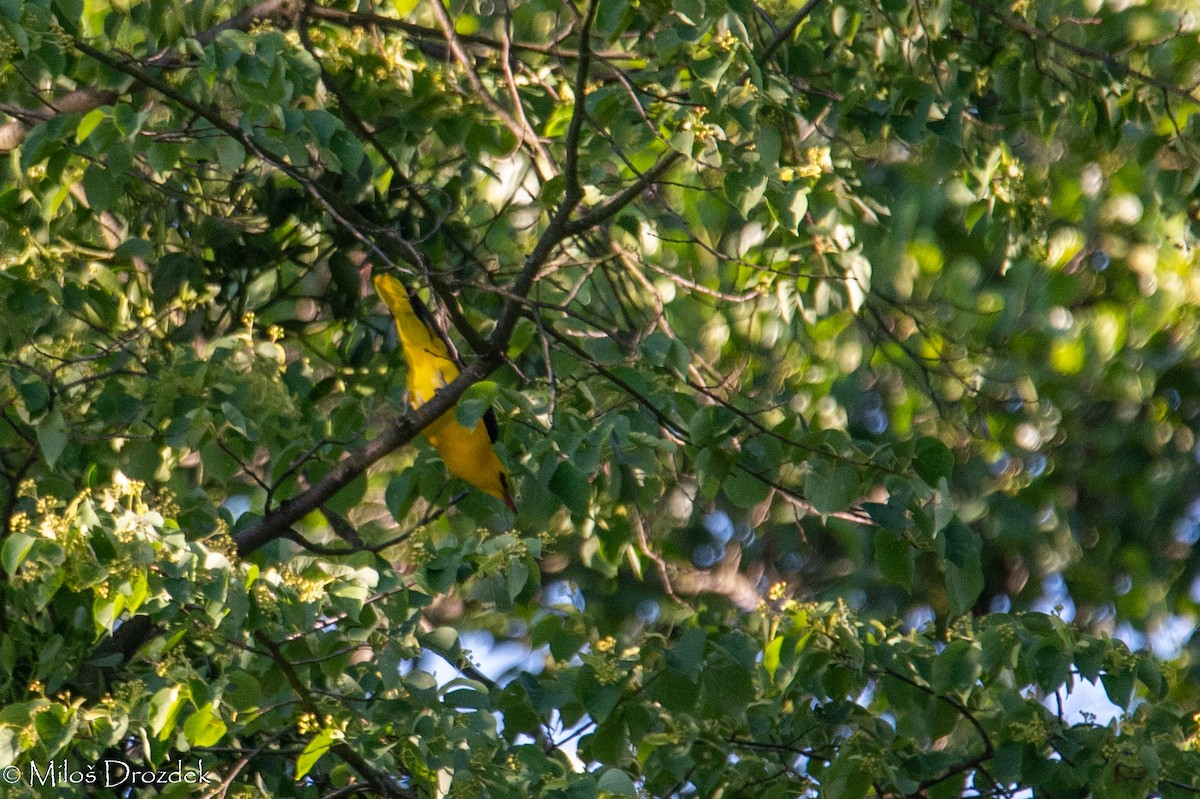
point(276, 524)
point(13, 133)
point(724, 579)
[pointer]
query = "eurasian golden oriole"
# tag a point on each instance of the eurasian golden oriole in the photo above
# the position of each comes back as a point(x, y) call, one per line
point(467, 453)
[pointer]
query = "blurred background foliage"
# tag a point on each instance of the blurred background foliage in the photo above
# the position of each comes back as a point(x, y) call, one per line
point(829, 315)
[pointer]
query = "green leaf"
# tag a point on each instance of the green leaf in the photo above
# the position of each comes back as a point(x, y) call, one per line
point(474, 403)
point(745, 489)
point(847, 777)
point(1118, 685)
point(492, 590)
point(710, 68)
point(171, 272)
point(315, 750)
point(204, 727)
point(34, 395)
point(469, 698)
point(520, 718)
point(554, 127)
point(891, 516)
point(933, 460)
point(895, 558)
point(52, 436)
point(792, 207)
point(599, 699)
point(963, 546)
point(106, 610)
point(516, 578)
point(974, 213)
point(728, 686)
point(164, 710)
point(88, 124)
point(687, 656)
point(615, 782)
point(523, 335)
point(134, 248)
point(445, 642)
point(770, 145)
point(771, 655)
point(399, 496)
point(16, 548)
point(656, 347)
point(102, 188)
point(230, 154)
point(831, 488)
point(943, 510)
point(1149, 673)
point(1050, 663)
point(1089, 659)
point(610, 741)
point(612, 17)
point(744, 188)
point(552, 190)
point(572, 487)
point(142, 459)
point(957, 667)
point(964, 567)
point(566, 641)
point(43, 139)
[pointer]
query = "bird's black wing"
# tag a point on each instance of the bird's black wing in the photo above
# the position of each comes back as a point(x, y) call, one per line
point(489, 422)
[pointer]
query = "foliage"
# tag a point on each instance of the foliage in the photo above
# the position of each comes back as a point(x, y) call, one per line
point(845, 357)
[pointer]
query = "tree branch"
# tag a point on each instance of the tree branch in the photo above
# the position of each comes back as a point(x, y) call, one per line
point(573, 191)
point(610, 207)
point(132, 634)
point(522, 131)
point(13, 133)
point(784, 33)
point(343, 214)
point(421, 32)
point(723, 579)
point(1110, 61)
point(86, 99)
point(971, 762)
point(384, 784)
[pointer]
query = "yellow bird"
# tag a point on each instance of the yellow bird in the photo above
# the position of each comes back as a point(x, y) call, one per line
point(467, 453)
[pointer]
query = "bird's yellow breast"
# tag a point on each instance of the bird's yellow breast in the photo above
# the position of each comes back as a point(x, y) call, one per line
point(467, 453)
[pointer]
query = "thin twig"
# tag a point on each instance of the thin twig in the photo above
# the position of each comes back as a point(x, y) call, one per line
point(639, 525)
point(971, 762)
point(523, 132)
